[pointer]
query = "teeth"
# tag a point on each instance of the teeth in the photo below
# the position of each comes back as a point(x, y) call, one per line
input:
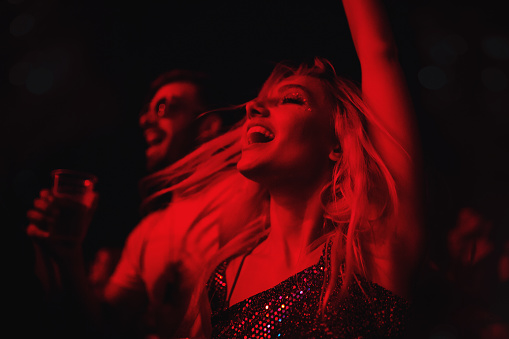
point(262, 130)
point(259, 134)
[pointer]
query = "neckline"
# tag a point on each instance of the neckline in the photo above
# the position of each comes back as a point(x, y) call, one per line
point(321, 262)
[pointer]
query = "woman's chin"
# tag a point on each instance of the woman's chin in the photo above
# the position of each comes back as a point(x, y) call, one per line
point(244, 167)
point(250, 168)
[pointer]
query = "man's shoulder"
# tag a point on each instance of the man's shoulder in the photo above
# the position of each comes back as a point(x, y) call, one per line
point(145, 225)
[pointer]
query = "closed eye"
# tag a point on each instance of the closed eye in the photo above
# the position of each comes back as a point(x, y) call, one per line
point(293, 98)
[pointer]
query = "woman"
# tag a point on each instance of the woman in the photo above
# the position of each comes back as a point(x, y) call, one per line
point(333, 253)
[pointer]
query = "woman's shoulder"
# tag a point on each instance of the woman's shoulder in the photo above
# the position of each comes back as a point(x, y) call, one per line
point(369, 309)
point(378, 295)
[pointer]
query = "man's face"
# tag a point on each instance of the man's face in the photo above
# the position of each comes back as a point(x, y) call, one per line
point(167, 124)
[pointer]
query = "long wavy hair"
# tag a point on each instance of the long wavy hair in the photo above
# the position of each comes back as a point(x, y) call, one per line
point(360, 182)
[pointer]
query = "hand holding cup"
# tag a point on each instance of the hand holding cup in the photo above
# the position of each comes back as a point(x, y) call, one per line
point(64, 212)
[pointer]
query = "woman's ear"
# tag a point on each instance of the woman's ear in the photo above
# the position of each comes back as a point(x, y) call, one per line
point(335, 153)
point(209, 127)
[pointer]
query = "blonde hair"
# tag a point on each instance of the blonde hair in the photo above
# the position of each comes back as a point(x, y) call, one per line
point(243, 206)
point(360, 182)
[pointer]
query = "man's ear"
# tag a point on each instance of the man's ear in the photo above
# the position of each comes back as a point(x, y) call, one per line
point(209, 127)
point(335, 153)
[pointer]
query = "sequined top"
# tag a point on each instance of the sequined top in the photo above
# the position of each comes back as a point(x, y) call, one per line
point(289, 309)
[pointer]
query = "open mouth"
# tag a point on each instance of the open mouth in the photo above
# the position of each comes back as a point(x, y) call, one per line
point(259, 134)
point(153, 137)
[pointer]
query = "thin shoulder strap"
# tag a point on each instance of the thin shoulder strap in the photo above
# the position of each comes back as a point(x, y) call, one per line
point(237, 275)
point(240, 268)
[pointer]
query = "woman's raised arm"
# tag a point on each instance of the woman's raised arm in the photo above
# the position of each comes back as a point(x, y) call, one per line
point(384, 89)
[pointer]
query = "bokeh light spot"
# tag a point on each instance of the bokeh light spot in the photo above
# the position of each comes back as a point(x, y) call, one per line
point(443, 53)
point(39, 80)
point(496, 47)
point(457, 42)
point(447, 50)
point(21, 25)
point(432, 77)
point(18, 73)
point(494, 79)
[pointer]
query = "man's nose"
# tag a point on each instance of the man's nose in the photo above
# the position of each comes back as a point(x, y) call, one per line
point(148, 117)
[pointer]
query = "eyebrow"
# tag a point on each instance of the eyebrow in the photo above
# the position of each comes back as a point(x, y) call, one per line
point(175, 99)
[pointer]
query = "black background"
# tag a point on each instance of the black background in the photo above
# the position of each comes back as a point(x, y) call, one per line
point(74, 75)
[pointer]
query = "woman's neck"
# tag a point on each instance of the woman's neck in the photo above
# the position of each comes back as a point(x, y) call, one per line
point(296, 220)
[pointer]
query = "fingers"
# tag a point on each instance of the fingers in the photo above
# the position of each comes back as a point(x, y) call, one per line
point(34, 231)
point(42, 204)
point(44, 200)
point(35, 216)
point(42, 214)
point(62, 217)
point(45, 193)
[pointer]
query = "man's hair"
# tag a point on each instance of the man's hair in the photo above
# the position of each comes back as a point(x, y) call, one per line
point(207, 91)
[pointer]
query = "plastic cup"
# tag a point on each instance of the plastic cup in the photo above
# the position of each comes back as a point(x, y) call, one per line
point(74, 198)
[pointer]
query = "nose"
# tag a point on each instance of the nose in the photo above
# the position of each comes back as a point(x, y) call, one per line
point(256, 108)
point(147, 117)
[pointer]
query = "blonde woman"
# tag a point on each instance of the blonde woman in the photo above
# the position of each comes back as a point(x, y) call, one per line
point(339, 230)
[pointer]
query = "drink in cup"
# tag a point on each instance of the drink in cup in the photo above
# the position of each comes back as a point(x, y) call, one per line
point(75, 200)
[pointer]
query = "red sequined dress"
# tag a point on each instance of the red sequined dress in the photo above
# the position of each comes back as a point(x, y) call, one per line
point(289, 309)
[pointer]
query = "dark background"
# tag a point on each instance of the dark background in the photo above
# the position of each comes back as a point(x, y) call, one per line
point(74, 75)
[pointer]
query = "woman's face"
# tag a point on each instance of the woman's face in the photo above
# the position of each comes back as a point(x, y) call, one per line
point(288, 134)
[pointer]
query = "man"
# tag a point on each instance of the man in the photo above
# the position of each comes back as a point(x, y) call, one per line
point(168, 118)
point(147, 294)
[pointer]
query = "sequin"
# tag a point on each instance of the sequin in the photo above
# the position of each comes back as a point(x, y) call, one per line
point(292, 307)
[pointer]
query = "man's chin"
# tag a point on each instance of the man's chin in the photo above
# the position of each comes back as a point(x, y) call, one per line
point(154, 161)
